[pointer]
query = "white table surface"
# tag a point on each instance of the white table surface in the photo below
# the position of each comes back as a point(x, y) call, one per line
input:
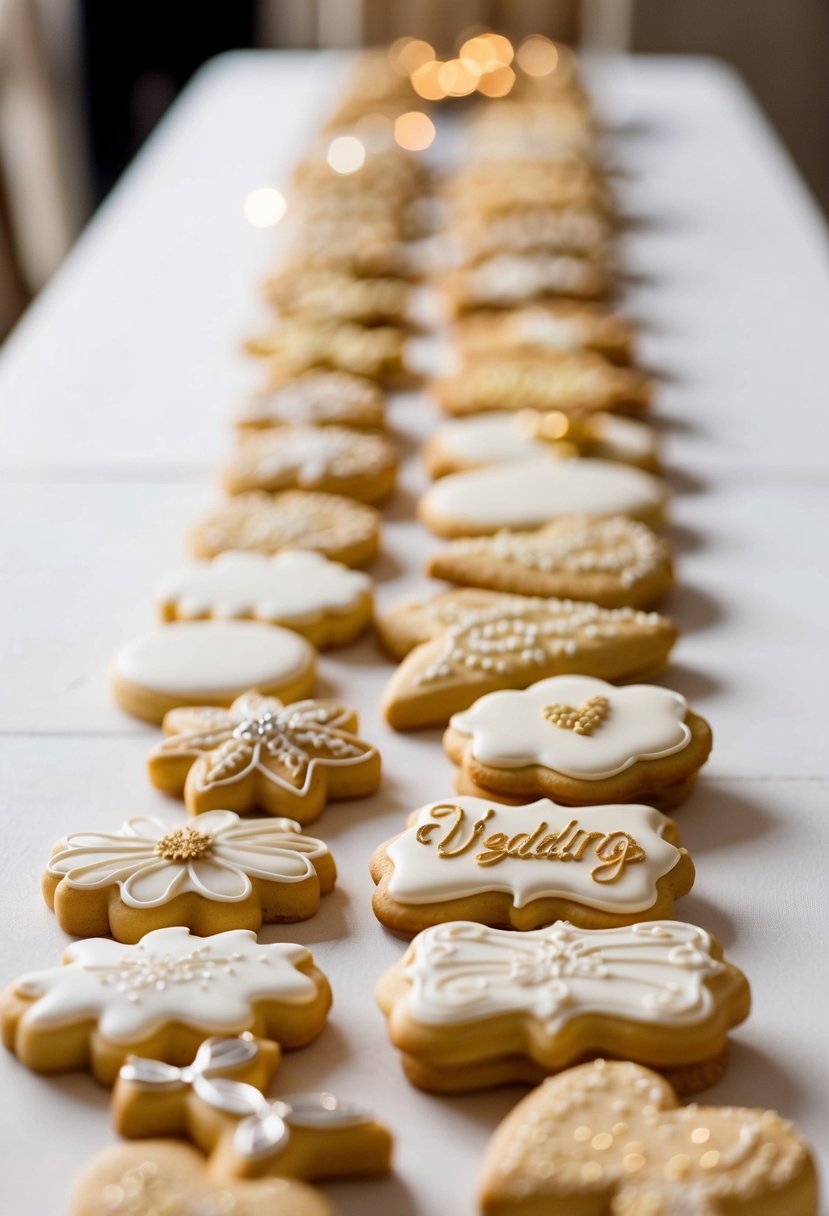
point(115, 394)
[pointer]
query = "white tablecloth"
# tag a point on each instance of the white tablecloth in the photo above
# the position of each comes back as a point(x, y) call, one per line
point(115, 395)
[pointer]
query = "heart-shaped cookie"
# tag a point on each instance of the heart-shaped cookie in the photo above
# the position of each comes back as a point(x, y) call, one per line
point(609, 1139)
point(582, 719)
point(157, 1176)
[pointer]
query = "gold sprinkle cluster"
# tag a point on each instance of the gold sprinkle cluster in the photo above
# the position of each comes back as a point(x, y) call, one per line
point(582, 720)
point(184, 844)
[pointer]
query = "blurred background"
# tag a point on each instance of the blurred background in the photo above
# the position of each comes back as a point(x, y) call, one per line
point(83, 82)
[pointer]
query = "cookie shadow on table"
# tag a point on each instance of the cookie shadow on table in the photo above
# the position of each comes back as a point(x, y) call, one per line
point(693, 683)
point(681, 481)
point(390, 1195)
point(80, 1087)
point(697, 910)
point(717, 817)
point(692, 608)
point(756, 1079)
point(329, 924)
point(684, 539)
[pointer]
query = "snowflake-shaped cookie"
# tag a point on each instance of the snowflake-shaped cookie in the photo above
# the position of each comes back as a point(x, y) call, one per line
point(263, 755)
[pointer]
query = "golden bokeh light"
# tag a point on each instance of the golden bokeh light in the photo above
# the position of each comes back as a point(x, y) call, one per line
point(406, 55)
point(346, 154)
point(537, 55)
point(459, 77)
point(414, 131)
point(426, 80)
point(497, 83)
point(500, 48)
point(264, 207)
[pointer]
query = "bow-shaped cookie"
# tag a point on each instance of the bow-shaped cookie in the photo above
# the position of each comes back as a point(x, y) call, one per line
point(609, 1139)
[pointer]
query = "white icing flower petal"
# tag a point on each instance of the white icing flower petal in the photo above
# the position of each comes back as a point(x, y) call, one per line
point(215, 823)
point(154, 884)
point(215, 879)
point(97, 866)
point(267, 862)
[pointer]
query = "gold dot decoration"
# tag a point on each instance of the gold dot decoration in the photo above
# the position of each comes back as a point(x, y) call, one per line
point(582, 719)
point(184, 844)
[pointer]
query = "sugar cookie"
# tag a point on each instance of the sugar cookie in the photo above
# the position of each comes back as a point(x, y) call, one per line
point(558, 327)
point(246, 1135)
point(468, 859)
point(224, 874)
point(193, 662)
point(339, 528)
point(614, 562)
point(579, 741)
point(577, 381)
point(470, 1007)
point(500, 437)
point(526, 182)
point(297, 344)
point(161, 998)
point(507, 280)
point(262, 755)
point(326, 602)
point(610, 1138)
point(317, 398)
point(465, 643)
point(328, 294)
point(331, 459)
point(530, 493)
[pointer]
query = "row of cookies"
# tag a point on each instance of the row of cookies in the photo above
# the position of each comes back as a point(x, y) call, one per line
point(184, 901)
point(589, 966)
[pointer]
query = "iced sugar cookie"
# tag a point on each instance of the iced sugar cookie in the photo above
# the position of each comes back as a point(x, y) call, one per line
point(576, 382)
point(312, 1136)
point(331, 459)
point(262, 755)
point(223, 874)
point(610, 1138)
point(502, 437)
point(339, 528)
point(508, 280)
point(197, 662)
point(579, 741)
point(162, 1176)
point(488, 190)
point(161, 998)
point(530, 493)
point(573, 231)
point(556, 327)
point(465, 643)
point(297, 344)
point(470, 1007)
point(318, 398)
point(328, 294)
point(615, 562)
point(521, 867)
point(326, 602)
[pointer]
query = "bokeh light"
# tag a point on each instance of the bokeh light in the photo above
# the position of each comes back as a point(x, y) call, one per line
point(537, 56)
point(346, 154)
point(414, 130)
point(426, 80)
point(459, 77)
point(264, 207)
point(497, 83)
point(406, 55)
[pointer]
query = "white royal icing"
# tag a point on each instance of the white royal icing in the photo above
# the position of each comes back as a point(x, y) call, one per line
point(210, 983)
point(195, 657)
point(527, 494)
point(510, 278)
point(609, 875)
point(499, 437)
point(236, 850)
point(294, 587)
point(314, 399)
point(307, 455)
point(509, 729)
point(655, 972)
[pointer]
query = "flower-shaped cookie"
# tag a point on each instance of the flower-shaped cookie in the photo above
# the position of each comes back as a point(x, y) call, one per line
point(610, 1138)
point(263, 755)
point(161, 997)
point(227, 874)
point(579, 741)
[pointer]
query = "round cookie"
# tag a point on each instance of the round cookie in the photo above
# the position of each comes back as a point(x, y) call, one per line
point(579, 741)
point(152, 873)
point(530, 493)
point(325, 601)
point(330, 459)
point(340, 528)
point(198, 662)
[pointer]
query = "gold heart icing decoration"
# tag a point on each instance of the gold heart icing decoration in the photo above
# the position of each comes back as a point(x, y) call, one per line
point(581, 720)
point(610, 1139)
